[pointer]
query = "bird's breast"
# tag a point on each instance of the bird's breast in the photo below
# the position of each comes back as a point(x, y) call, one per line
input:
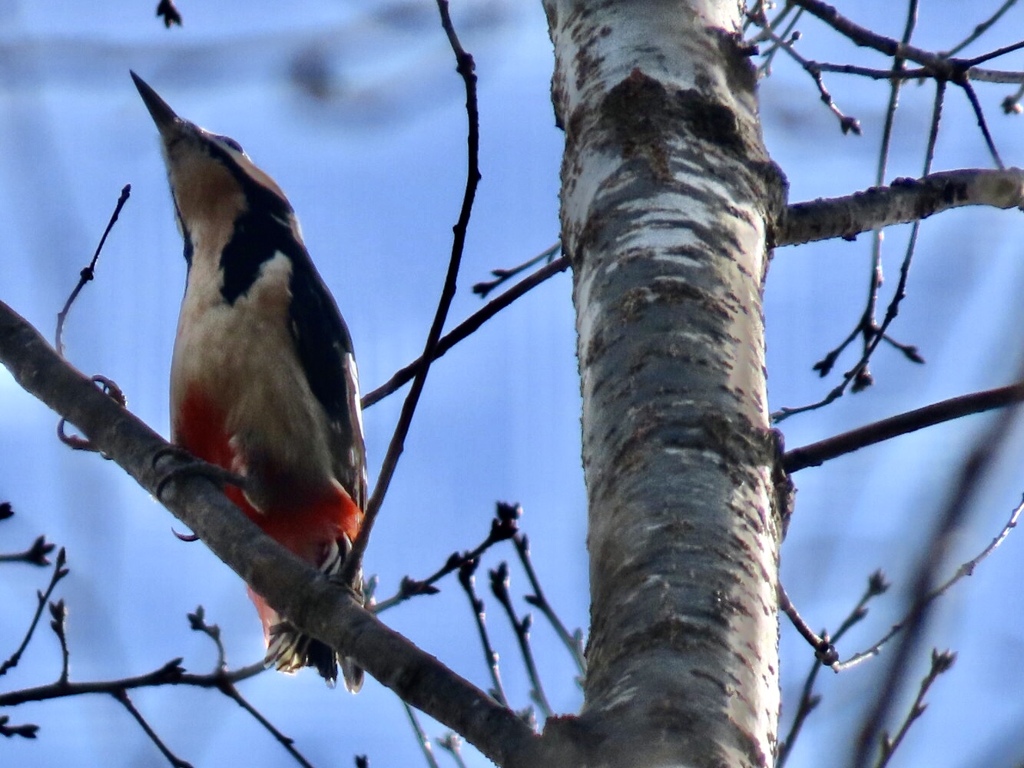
point(239, 395)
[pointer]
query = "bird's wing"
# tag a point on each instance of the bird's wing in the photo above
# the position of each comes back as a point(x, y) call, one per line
point(325, 351)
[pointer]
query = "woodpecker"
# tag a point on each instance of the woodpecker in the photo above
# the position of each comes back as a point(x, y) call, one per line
point(263, 376)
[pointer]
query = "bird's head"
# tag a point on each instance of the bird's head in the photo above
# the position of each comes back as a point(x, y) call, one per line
point(212, 180)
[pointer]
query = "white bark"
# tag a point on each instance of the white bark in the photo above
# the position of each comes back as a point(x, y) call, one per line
point(666, 191)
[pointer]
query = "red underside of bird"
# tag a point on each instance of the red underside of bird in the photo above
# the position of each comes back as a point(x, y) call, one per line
point(308, 527)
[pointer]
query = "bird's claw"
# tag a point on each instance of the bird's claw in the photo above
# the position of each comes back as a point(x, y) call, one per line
point(190, 465)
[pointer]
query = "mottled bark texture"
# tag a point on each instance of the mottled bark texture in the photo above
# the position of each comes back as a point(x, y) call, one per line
point(666, 194)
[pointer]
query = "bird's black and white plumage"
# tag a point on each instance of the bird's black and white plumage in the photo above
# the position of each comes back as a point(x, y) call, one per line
point(263, 376)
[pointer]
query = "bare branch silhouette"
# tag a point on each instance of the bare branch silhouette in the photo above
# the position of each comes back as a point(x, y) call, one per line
point(847, 124)
point(809, 700)
point(34, 555)
point(59, 572)
point(502, 275)
point(980, 29)
point(573, 642)
point(466, 327)
point(504, 525)
point(923, 592)
point(499, 588)
point(421, 737)
point(89, 272)
point(965, 569)
point(58, 623)
point(818, 453)
point(121, 697)
point(452, 744)
point(466, 69)
point(25, 730)
point(942, 662)
point(466, 578)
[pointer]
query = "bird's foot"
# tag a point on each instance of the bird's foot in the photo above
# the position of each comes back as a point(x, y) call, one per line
point(189, 465)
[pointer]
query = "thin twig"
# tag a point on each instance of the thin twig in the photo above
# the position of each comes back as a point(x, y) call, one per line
point(34, 555)
point(25, 730)
point(981, 29)
point(942, 69)
point(121, 696)
point(847, 124)
point(573, 642)
point(504, 525)
point(171, 673)
point(502, 275)
point(875, 334)
point(499, 588)
point(466, 328)
point(421, 737)
point(228, 689)
point(824, 649)
point(860, 376)
point(490, 656)
point(937, 65)
point(809, 700)
point(901, 287)
point(979, 114)
point(59, 572)
point(865, 37)
point(768, 33)
point(226, 684)
point(465, 67)
point(958, 67)
point(89, 272)
point(966, 569)
point(197, 622)
point(942, 662)
point(966, 64)
point(58, 623)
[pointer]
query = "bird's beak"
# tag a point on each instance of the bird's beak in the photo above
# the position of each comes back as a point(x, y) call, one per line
point(166, 120)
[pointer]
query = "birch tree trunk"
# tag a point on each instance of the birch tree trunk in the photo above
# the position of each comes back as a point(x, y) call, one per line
point(667, 198)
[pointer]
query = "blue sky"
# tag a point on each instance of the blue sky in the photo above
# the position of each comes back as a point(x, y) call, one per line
point(373, 161)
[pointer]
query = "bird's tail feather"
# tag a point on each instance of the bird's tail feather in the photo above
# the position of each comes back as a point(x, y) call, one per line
point(289, 650)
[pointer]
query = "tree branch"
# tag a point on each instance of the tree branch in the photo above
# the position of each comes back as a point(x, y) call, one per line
point(465, 328)
point(466, 68)
point(938, 65)
point(313, 603)
point(59, 572)
point(903, 201)
point(818, 453)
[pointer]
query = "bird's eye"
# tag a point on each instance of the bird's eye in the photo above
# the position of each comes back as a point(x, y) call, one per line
point(232, 143)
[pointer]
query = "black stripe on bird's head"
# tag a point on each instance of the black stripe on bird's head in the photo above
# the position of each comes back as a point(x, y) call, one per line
point(229, 212)
point(212, 180)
